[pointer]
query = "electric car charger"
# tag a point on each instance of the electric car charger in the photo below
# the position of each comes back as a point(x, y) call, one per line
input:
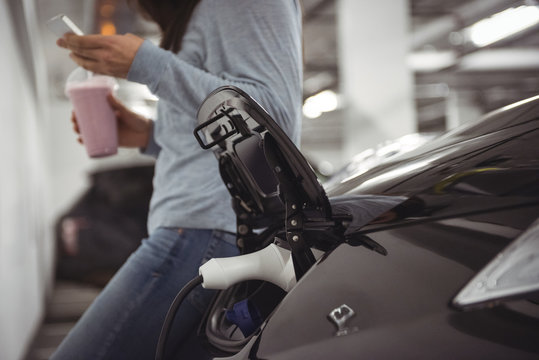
point(273, 264)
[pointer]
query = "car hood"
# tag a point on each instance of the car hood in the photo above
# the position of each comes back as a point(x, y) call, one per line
point(484, 166)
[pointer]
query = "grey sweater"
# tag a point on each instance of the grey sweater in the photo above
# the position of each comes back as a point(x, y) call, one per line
point(252, 44)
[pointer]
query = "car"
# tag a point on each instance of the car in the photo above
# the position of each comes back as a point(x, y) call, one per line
point(104, 226)
point(433, 253)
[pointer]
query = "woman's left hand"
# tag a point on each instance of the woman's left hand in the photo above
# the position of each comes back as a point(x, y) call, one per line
point(107, 55)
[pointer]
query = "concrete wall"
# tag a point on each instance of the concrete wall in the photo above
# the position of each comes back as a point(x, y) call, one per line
point(43, 168)
point(26, 251)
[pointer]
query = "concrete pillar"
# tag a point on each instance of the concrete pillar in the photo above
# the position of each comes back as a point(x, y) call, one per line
point(377, 85)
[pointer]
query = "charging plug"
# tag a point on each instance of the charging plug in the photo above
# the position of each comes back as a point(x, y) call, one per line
point(273, 264)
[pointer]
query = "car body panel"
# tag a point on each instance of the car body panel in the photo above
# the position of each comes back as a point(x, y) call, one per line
point(510, 148)
point(467, 195)
point(399, 302)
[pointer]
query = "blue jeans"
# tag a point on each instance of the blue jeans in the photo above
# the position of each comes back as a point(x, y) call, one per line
point(125, 320)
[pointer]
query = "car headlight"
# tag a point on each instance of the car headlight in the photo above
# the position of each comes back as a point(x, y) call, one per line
point(512, 274)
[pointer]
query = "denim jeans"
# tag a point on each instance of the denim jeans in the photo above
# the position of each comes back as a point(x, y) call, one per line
point(125, 320)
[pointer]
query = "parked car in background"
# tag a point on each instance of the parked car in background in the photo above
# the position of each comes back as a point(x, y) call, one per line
point(431, 254)
point(105, 225)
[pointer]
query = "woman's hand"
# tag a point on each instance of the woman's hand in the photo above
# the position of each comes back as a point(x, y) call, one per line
point(108, 55)
point(133, 129)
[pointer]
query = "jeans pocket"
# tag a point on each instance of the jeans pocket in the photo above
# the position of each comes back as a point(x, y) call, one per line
point(221, 244)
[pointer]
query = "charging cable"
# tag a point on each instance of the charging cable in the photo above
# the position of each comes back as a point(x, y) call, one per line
point(171, 314)
point(273, 264)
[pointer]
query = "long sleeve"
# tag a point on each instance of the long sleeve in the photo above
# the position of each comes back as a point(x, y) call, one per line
point(252, 44)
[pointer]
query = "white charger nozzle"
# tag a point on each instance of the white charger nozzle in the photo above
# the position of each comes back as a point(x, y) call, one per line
point(273, 264)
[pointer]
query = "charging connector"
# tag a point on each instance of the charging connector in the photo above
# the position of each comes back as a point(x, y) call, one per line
point(273, 264)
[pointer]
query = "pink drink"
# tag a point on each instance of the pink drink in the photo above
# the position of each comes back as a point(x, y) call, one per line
point(95, 117)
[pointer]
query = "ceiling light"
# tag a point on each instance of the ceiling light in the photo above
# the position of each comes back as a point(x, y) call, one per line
point(431, 60)
point(106, 10)
point(108, 28)
point(502, 25)
point(322, 102)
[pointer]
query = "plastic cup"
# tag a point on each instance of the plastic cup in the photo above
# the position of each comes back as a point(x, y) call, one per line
point(95, 116)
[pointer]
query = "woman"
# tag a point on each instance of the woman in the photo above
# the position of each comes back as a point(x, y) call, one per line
point(252, 44)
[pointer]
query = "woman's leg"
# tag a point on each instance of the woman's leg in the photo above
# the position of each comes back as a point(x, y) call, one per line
point(125, 320)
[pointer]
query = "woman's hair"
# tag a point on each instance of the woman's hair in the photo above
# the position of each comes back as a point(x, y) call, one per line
point(172, 16)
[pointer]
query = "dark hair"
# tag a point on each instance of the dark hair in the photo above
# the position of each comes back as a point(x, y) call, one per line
point(172, 16)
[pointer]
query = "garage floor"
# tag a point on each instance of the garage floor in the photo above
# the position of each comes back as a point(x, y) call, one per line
point(68, 302)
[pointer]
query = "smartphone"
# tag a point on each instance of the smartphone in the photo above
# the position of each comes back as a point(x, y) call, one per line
point(62, 24)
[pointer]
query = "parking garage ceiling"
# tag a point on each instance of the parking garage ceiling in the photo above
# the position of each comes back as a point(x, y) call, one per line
point(494, 75)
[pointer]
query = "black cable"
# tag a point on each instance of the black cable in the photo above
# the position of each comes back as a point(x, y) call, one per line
point(169, 319)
